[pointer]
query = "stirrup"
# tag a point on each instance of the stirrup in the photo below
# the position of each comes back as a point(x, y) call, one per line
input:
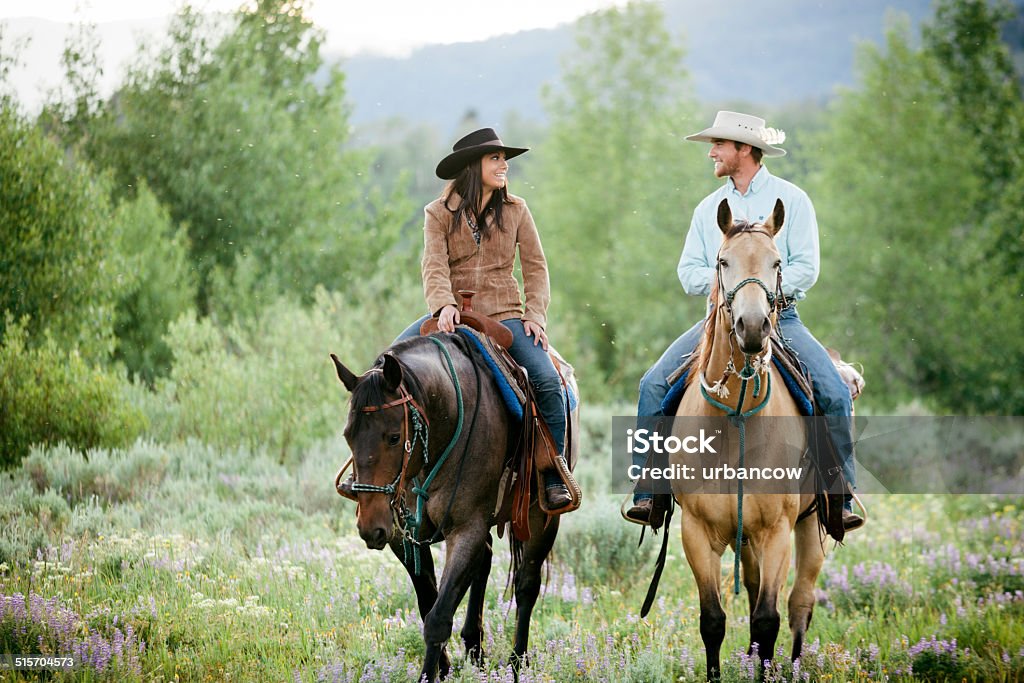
point(851, 520)
point(639, 512)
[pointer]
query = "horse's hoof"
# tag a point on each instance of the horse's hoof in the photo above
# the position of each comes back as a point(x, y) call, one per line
point(852, 521)
point(476, 655)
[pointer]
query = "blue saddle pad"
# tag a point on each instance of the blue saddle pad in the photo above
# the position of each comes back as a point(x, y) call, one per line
point(509, 394)
point(670, 404)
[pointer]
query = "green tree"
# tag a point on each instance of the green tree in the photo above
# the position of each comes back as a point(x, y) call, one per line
point(57, 265)
point(979, 76)
point(905, 278)
point(616, 185)
point(240, 130)
point(161, 285)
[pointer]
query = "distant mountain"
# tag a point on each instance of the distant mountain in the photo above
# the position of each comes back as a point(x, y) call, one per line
point(769, 53)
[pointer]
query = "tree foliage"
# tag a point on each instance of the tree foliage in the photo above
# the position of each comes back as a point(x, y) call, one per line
point(240, 135)
point(161, 284)
point(906, 282)
point(616, 186)
point(57, 268)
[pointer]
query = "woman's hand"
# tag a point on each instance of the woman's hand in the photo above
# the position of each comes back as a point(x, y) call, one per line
point(448, 319)
point(537, 332)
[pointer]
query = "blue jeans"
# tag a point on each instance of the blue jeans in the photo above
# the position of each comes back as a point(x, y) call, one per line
point(830, 391)
point(547, 385)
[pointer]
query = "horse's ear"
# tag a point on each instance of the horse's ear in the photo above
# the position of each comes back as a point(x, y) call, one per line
point(778, 217)
point(724, 217)
point(392, 372)
point(344, 374)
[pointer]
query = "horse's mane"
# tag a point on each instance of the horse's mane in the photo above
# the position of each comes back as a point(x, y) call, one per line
point(371, 390)
point(700, 354)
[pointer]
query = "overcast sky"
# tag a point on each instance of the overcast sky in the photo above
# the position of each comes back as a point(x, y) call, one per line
point(392, 27)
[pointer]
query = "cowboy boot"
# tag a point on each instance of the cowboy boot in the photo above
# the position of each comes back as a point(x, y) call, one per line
point(851, 520)
point(641, 510)
point(556, 494)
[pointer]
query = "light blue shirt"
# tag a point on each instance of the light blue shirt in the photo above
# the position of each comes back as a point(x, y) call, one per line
point(797, 241)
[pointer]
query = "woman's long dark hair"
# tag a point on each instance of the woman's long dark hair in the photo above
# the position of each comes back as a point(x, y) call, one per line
point(469, 186)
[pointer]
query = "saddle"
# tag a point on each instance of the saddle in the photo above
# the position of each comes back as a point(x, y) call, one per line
point(829, 484)
point(534, 451)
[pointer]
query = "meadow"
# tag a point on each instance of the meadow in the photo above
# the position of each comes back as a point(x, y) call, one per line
point(188, 562)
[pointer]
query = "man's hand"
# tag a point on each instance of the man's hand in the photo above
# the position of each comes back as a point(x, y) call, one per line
point(537, 332)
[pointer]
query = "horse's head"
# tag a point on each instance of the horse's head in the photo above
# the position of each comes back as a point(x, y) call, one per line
point(748, 256)
point(379, 433)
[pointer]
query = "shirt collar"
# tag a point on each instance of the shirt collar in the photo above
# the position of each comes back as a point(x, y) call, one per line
point(756, 183)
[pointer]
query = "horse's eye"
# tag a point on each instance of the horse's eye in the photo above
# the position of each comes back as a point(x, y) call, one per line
point(393, 439)
point(778, 264)
point(722, 263)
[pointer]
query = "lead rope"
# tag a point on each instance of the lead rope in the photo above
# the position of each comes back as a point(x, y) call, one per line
point(739, 418)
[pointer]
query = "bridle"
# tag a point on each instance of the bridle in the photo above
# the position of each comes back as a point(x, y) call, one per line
point(409, 522)
point(753, 365)
point(414, 420)
point(750, 371)
point(776, 299)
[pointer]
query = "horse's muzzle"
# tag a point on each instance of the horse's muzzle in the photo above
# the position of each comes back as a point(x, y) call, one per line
point(752, 335)
point(376, 538)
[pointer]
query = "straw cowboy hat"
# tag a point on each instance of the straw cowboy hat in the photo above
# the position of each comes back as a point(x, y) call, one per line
point(730, 125)
point(474, 146)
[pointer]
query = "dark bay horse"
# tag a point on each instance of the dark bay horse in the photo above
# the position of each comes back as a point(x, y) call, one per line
point(429, 415)
point(745, 293)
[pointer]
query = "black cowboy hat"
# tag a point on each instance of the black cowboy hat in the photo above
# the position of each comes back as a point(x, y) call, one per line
point(472, 146)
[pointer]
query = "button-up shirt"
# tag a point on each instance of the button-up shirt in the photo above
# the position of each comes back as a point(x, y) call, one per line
point(797, 241)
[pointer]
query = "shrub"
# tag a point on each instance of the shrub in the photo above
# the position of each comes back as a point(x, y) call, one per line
point(267, 383)
point(51, 396)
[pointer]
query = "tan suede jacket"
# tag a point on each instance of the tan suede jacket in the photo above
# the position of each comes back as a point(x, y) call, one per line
point(453, 261)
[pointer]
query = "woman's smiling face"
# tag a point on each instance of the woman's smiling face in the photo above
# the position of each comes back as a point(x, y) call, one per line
point(494, 170)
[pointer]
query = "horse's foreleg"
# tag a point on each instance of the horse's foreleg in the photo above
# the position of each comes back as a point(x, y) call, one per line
point(751, 575)
point(705, 562)
point(464, 549)
point(425, 584)
point(527, 579)
point(774, 561)
point(472, 630)
point(810, 555)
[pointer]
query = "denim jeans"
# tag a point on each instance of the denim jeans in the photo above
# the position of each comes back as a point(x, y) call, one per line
point(830, 392)
point(547, 385)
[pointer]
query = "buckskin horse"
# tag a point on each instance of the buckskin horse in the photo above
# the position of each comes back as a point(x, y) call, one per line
point(746, 294)
point(428, 417)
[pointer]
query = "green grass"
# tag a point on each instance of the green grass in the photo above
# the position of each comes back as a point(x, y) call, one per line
point(231, 566)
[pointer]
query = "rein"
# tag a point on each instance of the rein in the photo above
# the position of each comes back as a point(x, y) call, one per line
point(750, 371)
point(407, 521)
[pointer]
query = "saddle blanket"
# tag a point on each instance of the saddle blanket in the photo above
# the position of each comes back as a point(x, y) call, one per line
point(510, 391)
point(670, 403)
